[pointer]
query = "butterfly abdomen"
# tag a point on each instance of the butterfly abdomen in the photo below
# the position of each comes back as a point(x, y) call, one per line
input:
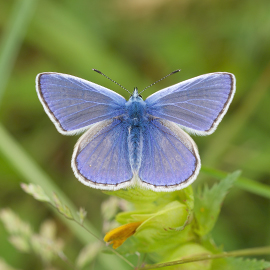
point(135, 123)
point(135, 144)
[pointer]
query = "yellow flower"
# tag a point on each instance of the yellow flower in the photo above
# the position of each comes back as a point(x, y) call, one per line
point(120, 234)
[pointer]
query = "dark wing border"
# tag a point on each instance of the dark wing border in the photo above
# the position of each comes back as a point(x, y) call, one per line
point(218, 119)
point(181, 136)
point(51, 115)
point(82, 142)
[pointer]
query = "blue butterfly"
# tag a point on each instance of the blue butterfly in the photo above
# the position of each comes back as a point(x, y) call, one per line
point(136, 142)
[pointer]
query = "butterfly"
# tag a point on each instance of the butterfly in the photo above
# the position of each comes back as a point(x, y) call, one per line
point(136, 142)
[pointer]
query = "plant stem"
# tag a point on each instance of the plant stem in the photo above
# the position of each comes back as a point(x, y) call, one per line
point(95, 236)
point(32, 173)
point(204, 257)
point(109, 247)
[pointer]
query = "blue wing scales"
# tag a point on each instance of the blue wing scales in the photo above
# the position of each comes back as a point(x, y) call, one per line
point(101, 158)
point(73, 104)
point(197, 104)
point(170, 158)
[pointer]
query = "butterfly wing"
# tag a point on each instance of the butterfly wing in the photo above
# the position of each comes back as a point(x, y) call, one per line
point(170, 159)
point(73, 103)
point(100, 158)
point(197, 104)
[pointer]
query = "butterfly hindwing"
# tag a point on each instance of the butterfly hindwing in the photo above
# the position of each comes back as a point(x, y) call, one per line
point(100, 158)
point(170, 158)
point(197, 104)
point(73, 104)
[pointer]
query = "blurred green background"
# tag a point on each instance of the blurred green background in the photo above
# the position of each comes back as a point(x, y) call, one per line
point(135, 42)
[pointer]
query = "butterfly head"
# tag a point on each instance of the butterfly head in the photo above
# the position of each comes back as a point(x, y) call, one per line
point(135, 107)
point(135, 95)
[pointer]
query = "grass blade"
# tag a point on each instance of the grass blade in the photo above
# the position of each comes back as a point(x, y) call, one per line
point(12, 38)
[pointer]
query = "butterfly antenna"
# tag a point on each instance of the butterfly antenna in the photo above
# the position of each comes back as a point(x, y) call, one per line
point(161, 79)
point(110, 79)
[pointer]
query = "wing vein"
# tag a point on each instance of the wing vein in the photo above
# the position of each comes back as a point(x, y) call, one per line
point(203, 116)
point(162, 113)
point(108, 153)
point(86, 101)
point(104, 134)
point(163, 154)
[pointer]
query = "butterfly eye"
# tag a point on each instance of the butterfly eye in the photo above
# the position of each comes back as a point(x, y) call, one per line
point(140, 96)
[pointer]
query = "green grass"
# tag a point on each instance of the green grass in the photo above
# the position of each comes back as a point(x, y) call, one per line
point(134, 44)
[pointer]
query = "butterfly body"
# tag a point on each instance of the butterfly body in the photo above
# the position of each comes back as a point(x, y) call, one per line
point(134, 121)
point(136, 142)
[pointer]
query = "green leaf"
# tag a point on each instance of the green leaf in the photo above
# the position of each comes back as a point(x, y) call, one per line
point(247, 264)
point(208, 203)
point(144, 199)
point(188, 251)
point(159, 229)
point(36, 191)
point(244, 183)
point(187, 197)
point(170, 217)
point(136, 195)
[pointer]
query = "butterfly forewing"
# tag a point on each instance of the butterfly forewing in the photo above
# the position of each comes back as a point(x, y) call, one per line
point(73, 103)
point(170, 158)
point(196, 104)
point(100, 157)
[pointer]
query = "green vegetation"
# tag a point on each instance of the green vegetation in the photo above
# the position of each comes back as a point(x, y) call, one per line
point(135, 43)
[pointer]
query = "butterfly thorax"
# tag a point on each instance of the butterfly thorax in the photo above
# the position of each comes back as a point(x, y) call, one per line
point(135, 107)
point(136, 117)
